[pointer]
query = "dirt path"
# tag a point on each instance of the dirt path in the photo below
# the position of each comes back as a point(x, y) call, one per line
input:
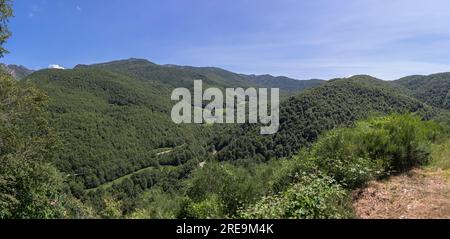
point(420, 194)
point(165, 152)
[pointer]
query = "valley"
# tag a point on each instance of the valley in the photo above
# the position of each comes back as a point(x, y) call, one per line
point(228, 110)
point(123, 154)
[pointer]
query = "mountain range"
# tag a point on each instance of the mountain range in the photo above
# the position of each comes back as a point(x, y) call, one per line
point(117, 135)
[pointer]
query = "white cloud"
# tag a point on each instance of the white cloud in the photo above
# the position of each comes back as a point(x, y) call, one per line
point(79, 8)
point(55, 66)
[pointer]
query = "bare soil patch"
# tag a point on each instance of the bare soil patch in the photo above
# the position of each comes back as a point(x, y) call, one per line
point(419, 194)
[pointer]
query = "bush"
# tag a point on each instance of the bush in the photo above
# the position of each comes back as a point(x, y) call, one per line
point(375, 147)
point(209, 208)
point(30, 186)
point(313, 197)
point(337, 154)
point(403, 140)
point(286, 173)
point(233, 186)
point(157, 204)
point(440, 157)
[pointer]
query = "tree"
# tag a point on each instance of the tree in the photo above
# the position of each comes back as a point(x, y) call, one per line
point(5, 13)
point(30, 186)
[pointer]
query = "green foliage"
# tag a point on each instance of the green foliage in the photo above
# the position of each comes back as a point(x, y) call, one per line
point(440, 156)
point(433, 89)
point(231, 186)
point(284, 83)
point(287, 171)
point(125, 120)
point(312, 185)
point(112, 209)
point(75, 209)
point(375, 147)
point(210, 207)
point(312, 197)
point(30, 186)
point(338, 154)
point(403, 140)
point(157, 204)
point(122, 156)
point(6, 12)
point(338, 103)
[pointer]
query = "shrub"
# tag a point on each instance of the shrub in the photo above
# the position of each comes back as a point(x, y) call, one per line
point(440, 157)
point(374, 148)
point(337, 154)
point(233, 186)
point(313, 197)
point(209, 208)
point(157, 204)
point(286, 173)
point(404, 140)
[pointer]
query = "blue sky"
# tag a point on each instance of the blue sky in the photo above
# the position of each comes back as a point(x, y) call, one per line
point(297, 38)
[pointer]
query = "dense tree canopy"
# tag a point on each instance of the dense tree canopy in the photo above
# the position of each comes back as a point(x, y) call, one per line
point(433, 89)
point(30, 186)
point(119, 143)
point(305, 116)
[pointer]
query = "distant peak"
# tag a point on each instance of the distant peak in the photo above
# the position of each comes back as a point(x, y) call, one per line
point(140, 60)
point(17, 71)
point(361, 77)
point(117, 63)
point(132, 59)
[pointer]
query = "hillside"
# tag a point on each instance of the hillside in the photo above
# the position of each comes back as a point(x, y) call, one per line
point(114, 120)
point(283, 83)
point(432, 89)
point(182, 76)
point(111, 123)
point(118, 141)
point(340, 102)
point(171, 76)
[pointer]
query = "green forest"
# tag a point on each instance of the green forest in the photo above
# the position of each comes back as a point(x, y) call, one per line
point(97, 141)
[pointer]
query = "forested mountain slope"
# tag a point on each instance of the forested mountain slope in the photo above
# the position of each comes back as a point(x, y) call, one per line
point(118, 140)
point(182, 76)
point(283, 83)
point(337, 103)
point(172, 76)
point(114, 118)
point(111, 124)
point(433, 89)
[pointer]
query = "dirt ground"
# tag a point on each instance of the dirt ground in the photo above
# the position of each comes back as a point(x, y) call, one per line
point(419, 194)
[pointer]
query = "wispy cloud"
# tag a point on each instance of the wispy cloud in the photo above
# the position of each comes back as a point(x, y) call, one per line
point(327, 39)
point(301, 39)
